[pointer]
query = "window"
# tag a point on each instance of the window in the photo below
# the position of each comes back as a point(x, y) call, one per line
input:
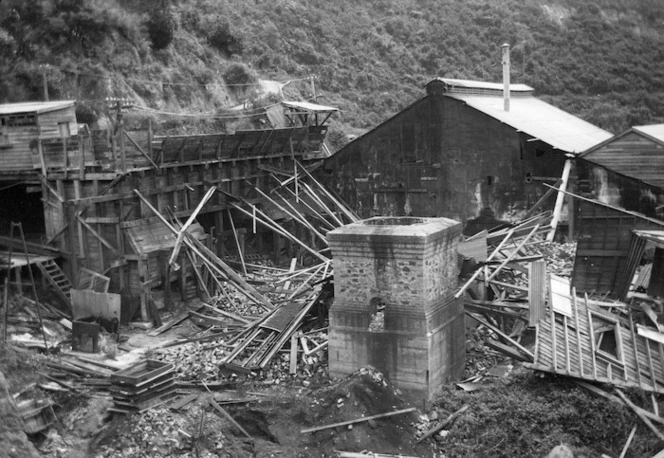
point(19, 121)
point(606, 335)
point(63, 127)
point(4, 134)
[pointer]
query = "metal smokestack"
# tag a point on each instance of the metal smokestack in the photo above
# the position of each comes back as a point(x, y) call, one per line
point(506, 76)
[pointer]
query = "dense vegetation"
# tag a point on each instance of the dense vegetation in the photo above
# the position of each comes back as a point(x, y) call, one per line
point(599, 59)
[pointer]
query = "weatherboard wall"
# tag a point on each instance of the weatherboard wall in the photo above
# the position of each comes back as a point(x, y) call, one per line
point(439, 157)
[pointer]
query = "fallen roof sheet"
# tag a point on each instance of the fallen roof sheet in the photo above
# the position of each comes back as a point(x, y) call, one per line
point(34, 107)
point(540, 120)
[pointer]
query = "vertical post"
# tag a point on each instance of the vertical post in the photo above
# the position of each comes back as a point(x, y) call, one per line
point(506, 76)
point(183, 277)
point(44, 82)
point(81, 157)
point(144, 280)
point(120, 129)
point(42, 159)
point(313, 88)
point(166, 278)
point(559, 200)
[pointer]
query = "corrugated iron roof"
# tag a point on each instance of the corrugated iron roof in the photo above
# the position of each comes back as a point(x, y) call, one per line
point(34, 107)
point(540, 120)
point(469, 84)
point(308, 106)
point(656, 131)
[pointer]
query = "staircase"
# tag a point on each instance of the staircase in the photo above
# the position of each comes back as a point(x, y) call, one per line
point(57, 279)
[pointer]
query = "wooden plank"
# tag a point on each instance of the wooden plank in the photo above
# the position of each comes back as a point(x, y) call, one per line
point(552, 318)
point(653, 378)
point(567, 358)
point(591, 337)
point(444, 423)
point(643, 418)
point(359, 420)
point(575, 310)
point(636, 354)
point(503, 336)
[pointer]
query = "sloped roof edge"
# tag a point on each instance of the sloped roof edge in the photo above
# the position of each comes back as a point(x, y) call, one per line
point(34, 107)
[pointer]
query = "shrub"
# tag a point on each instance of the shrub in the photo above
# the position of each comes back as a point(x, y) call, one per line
point(161, 29)
point(225, 40)
point(238, 73)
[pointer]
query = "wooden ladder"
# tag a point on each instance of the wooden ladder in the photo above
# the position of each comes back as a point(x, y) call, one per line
point(57, 278)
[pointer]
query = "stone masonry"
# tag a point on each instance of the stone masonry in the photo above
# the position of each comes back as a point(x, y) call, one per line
point(394, 307)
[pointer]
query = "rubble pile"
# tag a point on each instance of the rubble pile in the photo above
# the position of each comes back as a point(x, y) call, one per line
point(559, 257)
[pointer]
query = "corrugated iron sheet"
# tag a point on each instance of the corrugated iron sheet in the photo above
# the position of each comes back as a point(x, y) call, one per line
point(540, 120)
point(654, 130)
point(34, 107)
point(149, 237)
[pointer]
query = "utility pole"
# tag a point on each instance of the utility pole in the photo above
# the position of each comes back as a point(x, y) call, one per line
point(44, 82)
point(313, 87)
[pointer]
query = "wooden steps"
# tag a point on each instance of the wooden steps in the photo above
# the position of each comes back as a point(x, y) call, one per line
point(57, 279)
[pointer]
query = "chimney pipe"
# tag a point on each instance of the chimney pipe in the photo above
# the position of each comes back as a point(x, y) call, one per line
point(506, 76)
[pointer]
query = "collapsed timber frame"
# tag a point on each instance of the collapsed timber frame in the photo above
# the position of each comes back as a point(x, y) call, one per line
point(101, 189)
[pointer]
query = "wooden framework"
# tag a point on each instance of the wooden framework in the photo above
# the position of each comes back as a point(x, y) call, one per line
point(101, 190)
point(595, 344)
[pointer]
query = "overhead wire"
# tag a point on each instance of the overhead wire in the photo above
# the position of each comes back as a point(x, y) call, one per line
point(158, 81)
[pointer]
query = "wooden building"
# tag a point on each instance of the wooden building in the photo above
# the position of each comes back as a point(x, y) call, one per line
point(627, 170)
point(100, 190)
point(621, 186)
point(458, 152)
point(21, 124)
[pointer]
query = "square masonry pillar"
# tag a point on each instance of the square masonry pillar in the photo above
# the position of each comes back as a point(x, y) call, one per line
point(394, 306)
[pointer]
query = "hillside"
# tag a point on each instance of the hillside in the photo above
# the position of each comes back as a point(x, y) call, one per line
point(598, 59)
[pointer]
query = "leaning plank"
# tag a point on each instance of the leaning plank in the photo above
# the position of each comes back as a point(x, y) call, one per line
point(358, 420)
point(211, 259)
point(617, 400)
point(479, 271)
point(506, 350)
point(637, 410)
point(341, 454)
point(629, 441)
point(503, 336)
point(166, 326)
point(189, 222)
point(446, 422)
point(221, 410)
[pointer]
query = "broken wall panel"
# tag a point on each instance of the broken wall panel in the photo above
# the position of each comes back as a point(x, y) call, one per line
point(604, 237)
point(596, 345)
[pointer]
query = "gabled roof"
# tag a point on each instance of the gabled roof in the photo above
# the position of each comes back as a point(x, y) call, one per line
point(535, 118)
point(637, 153)
point(655, 131)
point(34, 107)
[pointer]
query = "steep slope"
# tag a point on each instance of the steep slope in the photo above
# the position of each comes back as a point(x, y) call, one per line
point(598, 59)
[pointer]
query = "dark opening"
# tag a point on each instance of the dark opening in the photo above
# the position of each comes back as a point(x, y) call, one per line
point(22, 202)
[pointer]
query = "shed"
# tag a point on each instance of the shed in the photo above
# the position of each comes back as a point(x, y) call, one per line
point(627, 170)
point(456, 152)
point(21, 124)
